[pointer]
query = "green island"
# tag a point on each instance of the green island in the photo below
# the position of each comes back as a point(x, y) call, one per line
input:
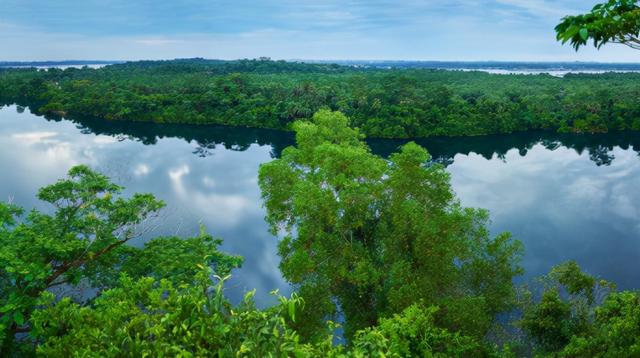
point(384, 103)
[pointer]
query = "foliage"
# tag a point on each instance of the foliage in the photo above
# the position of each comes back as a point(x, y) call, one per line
point(83, 242)
point(173, 258)
point(150, 318)
point(156, 318)
point(580, 316)
point(615, 332)
point(393, 103)
point(370, 237)
point(568, 314)
point(615, 21)
point(159, 300)
point(413, 333)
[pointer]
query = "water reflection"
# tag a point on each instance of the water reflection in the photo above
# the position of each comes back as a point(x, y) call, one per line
point(599, 147)
point(207, 138)
point(564, 196)
point(219, 191)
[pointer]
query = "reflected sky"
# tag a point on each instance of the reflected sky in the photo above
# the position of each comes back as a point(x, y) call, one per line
point(219, 190)
point(562, 206)
point(564, 197)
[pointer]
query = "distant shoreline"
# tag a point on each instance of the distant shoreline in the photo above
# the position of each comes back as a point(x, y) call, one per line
point(555, 69)
point(47, 64)
point(488, 66)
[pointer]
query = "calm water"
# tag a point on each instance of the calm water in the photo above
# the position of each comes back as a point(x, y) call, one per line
point(565, 197)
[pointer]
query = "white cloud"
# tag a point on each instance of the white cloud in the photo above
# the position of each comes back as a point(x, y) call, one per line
point(177, 174)
point(539, 7)
point(36, 137)
point(518, 30)
point(105, 139)
point(141, 170)
point(157, 41)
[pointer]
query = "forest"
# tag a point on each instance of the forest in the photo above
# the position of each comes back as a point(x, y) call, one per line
point(383, 103)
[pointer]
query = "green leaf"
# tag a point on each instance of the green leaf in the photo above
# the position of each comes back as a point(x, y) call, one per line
point(292, 310)
point(584, 33)
point(7, 308)
point(18, 317)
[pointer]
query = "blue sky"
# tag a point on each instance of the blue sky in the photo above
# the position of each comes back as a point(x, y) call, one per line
point(520, 30)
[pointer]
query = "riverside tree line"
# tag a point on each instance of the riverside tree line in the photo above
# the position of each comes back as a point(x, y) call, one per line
point(394, 103)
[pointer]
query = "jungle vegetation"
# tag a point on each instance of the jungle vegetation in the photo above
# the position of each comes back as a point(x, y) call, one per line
point(386, 103)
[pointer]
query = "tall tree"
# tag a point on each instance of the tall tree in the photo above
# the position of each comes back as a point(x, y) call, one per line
point(368, 237)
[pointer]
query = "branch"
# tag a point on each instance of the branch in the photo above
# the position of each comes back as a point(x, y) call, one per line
point(633, 39)
point(62, 282)
point(633, 46)
point(83, 259)
point(23, 329)
point(66, 267)
point(630, 41)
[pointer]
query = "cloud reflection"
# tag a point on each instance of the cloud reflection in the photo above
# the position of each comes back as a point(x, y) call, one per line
point(561, 205)
point(550, 193)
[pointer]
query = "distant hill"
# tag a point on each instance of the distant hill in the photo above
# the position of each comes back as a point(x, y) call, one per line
point(489, 65)
point(68, 63)
point(285, 66)
point(527, 66)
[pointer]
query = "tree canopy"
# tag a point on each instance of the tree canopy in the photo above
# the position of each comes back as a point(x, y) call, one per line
point(383, 103)
point(368, 237)
point(83, 242)
point(166, 298)
point(578, 315)
point(615, 21)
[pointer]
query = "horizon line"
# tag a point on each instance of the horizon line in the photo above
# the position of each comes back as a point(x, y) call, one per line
point(96, 61)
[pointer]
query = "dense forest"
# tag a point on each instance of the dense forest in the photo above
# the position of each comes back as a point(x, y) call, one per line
point(356, 248)
point(386, 103)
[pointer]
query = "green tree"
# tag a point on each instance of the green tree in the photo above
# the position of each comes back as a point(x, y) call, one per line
point(84, 241)
point(368, 237)
point(581, 316)
point(155, 318)
point(615, 21)
point(413, 333)
point(615, 331)
point(393, 103)
point(565, 311)
point(147, 317)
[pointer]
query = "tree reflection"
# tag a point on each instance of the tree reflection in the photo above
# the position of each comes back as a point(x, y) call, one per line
point(443, 149)
point(599, 147)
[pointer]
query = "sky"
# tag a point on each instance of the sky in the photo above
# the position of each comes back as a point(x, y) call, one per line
point(447, 30)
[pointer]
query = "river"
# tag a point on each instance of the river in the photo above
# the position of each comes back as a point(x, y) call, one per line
point(566, 197)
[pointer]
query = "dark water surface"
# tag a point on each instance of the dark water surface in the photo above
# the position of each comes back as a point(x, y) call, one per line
point(564, 196)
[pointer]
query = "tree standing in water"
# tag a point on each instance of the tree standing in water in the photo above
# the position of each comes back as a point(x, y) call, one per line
point(368, 237)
